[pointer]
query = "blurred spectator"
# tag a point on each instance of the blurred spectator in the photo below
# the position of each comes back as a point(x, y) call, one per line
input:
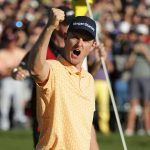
point(121, 50)
point(22, 70)
point(10, 56)
point(101, 88)
point(138, 62)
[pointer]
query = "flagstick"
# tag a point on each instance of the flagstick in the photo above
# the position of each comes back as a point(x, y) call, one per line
point(109, 86)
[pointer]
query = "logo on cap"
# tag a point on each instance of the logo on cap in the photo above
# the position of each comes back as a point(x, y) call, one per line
point(83, 24)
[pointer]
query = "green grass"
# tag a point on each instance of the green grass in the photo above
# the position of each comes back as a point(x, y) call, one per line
point(16, 140)
point(22, 140)
point(113, 142)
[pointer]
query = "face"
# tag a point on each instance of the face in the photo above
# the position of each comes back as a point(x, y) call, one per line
point(62, 29)
point(78, 44)
point(141, 37)
point(35, 34)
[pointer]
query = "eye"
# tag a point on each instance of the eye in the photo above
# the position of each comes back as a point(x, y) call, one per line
point(87, 38)
point(74, 38)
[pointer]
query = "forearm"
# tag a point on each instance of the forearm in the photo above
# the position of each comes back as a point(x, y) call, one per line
point(100, 54)
point(37, 65)
point(94, 67)
point(130, 61)
point(5, 72)
point(147, 56)
point(37, 56)
point(93, 142)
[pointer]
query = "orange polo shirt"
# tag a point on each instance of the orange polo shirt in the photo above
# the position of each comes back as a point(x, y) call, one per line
point(65, 107)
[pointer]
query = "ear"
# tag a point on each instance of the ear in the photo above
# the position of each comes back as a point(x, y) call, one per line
point(93, 45)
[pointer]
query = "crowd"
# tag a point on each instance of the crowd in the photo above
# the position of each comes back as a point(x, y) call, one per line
point(123, 27)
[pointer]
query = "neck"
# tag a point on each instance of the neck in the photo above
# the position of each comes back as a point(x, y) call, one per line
point(59, 41)
point(11, 47)
point(78, 66)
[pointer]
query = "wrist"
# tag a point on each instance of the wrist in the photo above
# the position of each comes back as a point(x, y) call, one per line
point(50, 28)
point(97, 63)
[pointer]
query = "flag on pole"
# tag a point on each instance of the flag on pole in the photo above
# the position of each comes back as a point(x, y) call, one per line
point(80, 7)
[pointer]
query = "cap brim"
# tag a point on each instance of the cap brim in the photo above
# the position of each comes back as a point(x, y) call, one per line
point(85, 30)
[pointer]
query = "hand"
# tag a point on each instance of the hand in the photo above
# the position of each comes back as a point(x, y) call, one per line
point(19, 73)
point(100, 52)
point(140, 49)
point(56, 16)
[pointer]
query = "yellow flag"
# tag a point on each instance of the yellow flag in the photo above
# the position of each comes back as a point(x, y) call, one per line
point(80, 7)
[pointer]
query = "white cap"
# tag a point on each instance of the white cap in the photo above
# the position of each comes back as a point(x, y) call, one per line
point(34, 4)
point(109, 26)
point(124, 27)
point(142, 29)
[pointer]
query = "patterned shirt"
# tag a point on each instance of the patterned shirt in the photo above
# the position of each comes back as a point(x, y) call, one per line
point(65, 107)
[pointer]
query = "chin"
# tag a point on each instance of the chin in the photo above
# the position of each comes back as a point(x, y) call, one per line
point(74, 62)
point(78, 64)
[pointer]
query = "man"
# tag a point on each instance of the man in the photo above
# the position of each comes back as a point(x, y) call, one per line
point(138, 62)
point(10, 56)
point(64, 88)
point(55, 48)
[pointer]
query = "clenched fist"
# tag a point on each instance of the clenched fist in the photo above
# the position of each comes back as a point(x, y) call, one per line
point(19, 73)
point(56, 16)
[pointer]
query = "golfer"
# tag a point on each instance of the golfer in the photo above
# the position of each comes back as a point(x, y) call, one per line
point(65, 91)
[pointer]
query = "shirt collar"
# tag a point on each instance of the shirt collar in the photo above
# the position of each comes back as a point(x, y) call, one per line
point(71, 69)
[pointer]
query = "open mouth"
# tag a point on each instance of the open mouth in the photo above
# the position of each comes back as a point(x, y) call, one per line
point(76, 52)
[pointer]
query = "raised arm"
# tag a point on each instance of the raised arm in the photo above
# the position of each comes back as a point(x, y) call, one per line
point(138, 49)
point(100, 52)
point(37, 64)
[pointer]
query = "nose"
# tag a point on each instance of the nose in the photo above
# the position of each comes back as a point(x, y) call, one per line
point(80, 42)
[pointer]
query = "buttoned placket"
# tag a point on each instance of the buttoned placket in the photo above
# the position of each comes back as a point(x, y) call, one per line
point(80, 78)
